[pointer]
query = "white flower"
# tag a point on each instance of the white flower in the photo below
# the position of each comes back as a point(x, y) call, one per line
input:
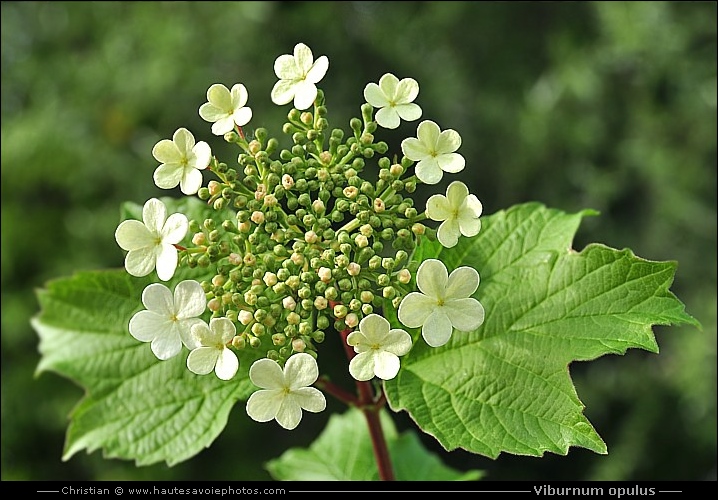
point(394, 98)
point(226, 108)
point(167, 320)
point(298, 76)
point(151, 243)
point(378, 349)
point(181, 161)
point(285, 392)
point(459, 210)
point(444, 302)
point(434, 150)
point(212, 352)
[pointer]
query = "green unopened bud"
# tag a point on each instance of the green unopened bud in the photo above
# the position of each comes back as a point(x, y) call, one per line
point(340, 311)
point(254, 342)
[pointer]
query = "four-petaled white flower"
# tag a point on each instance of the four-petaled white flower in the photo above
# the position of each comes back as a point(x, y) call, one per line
point(459, 211)
point(285, 392)
point(435, 152)
point(394, 98)
point(212, 352)
point(226, 108)
point(378, 349)
point(168, 318)
point(298, 75)
point(181, 161)
point(444, 303)
point(151, 243)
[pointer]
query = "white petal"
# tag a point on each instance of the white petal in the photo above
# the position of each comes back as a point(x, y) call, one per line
point(469, 226)
point(211, 113)
point(415, 308)
point(167, 175)
point(227, 365)
point(386, 365)
point(184, 140)
point(157, 298)
point(448, 141)
point(145, 325)
point(318, 70)
point(438, 208)
point(184, 326)
point(283, 92)
point(437, 329)
point(262, 406)
point(242, 116)
point(289, 414)
point(133, 235)
point(456, 194)
point(190, 182)
point(465, 315)
point(154, 214)
point(301, 370)
point(451, 162)
point(223, 125)
point(432, 277)
point(414, 149)
point(428, 171)
point(387, 118)
point(166, 151)
point(374, 96)
point(223, 329)
point(202, 360)
point(407, 90)
point(448, 233)
point(463, 282)
point(175, 228)
point(140, 262)
point(303, 57)
point(428, 133)
point(267, 374)
point(309, 398)
point(166, 262)
point(189, 299)
point(239, 96)
point(305, 94)
point(388, 84)
point(472, 205)
point(361, 367)
point(202, 155)
point(374, 327)
point(166, 345)
point(285, 67)
point(219, 96)
point(408, 112)
point(397, 342)
point(356, 339)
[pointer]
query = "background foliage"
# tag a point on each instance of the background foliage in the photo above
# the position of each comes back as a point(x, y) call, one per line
point(602, 105)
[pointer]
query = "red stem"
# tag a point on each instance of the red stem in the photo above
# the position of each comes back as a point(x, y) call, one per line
point(370, 406)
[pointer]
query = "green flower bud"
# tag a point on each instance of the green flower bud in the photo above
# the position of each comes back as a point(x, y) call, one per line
point(323, 322)
point(254, 342)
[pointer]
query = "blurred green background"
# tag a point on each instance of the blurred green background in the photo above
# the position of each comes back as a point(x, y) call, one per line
point(603, 105)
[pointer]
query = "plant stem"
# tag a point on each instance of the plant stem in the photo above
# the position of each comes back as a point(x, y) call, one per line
point(370, 406)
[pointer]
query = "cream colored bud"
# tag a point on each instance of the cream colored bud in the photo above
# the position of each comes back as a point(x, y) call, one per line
point(353, 269)
point(199, 239)
point(214, 304)
point(287, 181)
point(257, 217)
point(351, 192)
point(293, 318)
point(321, 303)
point(245, 317)
point(297, 258)
point(270, 279)
point(325, 274)
point(270, 200)
point(318, 206)
point(351, 320)
point(289, 303)
point(299, 345)
point(379, 205)
point(361, 241)
point(244, 227)
point(235, 259)
point(404, 276)
point(311, 237)
point(214, 188)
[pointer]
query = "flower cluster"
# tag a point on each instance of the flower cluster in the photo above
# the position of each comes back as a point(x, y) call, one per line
point(301, 243)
